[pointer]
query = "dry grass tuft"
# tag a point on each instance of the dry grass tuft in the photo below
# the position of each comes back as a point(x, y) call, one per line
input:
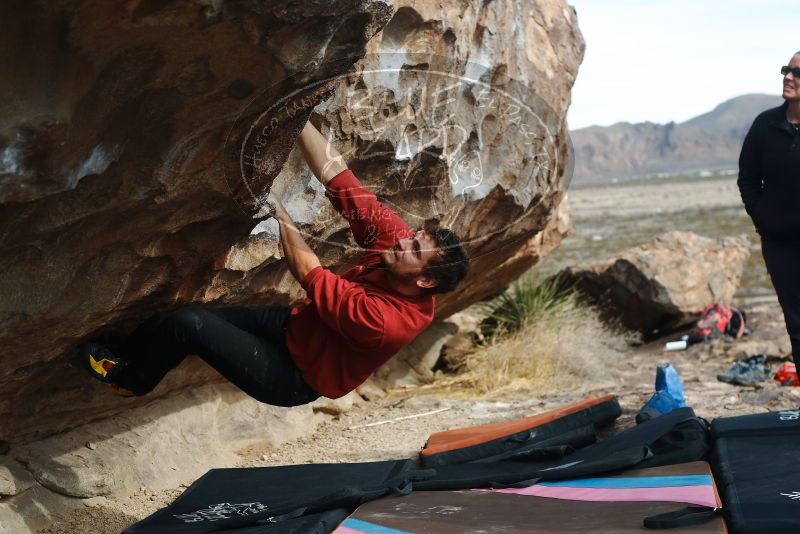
point(554, 342)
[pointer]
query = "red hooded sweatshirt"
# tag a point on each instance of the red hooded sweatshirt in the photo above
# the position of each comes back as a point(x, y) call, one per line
point(350, 324)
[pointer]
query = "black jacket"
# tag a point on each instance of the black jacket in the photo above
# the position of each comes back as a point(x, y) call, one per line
point(769, 175)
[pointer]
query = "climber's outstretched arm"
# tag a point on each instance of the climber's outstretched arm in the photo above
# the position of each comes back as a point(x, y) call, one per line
point(324, 160)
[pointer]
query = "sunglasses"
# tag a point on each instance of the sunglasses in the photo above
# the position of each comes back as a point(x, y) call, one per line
point(786, 69)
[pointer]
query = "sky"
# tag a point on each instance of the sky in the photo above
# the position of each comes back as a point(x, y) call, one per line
point(671, 60)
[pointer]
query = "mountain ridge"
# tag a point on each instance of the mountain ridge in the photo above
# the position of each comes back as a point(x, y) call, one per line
point(708, 142)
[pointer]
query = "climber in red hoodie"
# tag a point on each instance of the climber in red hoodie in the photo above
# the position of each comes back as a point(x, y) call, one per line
point(347, 326)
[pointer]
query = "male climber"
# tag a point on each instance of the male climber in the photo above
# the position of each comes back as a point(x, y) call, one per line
point(329, 344)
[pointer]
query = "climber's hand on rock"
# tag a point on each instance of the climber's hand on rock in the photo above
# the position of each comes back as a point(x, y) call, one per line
point(277, 210)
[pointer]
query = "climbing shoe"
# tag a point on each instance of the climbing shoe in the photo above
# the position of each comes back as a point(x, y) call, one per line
point(668, 395)
point(747, 372)
point(101, 363)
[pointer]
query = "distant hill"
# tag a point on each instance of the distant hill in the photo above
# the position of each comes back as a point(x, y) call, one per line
point(710, 141)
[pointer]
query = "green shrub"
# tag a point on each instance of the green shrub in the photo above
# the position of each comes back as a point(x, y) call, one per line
point(527, 299)
point(541, 335)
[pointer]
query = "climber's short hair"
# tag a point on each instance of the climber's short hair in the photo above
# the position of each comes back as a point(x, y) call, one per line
point(451, 266)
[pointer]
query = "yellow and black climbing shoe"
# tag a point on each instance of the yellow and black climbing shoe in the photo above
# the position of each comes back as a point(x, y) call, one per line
point(101, 363)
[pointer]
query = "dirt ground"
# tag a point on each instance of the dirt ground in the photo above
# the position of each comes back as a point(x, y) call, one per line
point(345, 438)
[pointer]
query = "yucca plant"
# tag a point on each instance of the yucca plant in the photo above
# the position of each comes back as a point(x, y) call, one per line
point(526, 299)
point(541, 334)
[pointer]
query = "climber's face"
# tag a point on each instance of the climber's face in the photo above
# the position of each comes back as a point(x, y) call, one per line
point(409, 256)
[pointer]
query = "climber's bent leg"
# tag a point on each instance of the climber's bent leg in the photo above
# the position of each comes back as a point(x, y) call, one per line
point(261, 366)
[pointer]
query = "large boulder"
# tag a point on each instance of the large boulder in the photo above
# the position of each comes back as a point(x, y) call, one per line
point(446, 122)
point(115, 196)
point(138, 139)
point(666, 282)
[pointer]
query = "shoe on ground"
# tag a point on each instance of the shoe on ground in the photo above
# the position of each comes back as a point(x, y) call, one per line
point(746, 372)
point(102, 364)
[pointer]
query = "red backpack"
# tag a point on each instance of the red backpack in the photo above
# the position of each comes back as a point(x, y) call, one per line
point(717, 320)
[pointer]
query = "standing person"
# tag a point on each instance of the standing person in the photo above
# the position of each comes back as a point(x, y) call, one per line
point(769, 182)
point(329, 344)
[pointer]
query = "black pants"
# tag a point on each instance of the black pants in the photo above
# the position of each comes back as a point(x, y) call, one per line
point(783, 264)
point(246, 345)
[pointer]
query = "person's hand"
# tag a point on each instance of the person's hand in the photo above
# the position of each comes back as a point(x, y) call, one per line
point(277, 209)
